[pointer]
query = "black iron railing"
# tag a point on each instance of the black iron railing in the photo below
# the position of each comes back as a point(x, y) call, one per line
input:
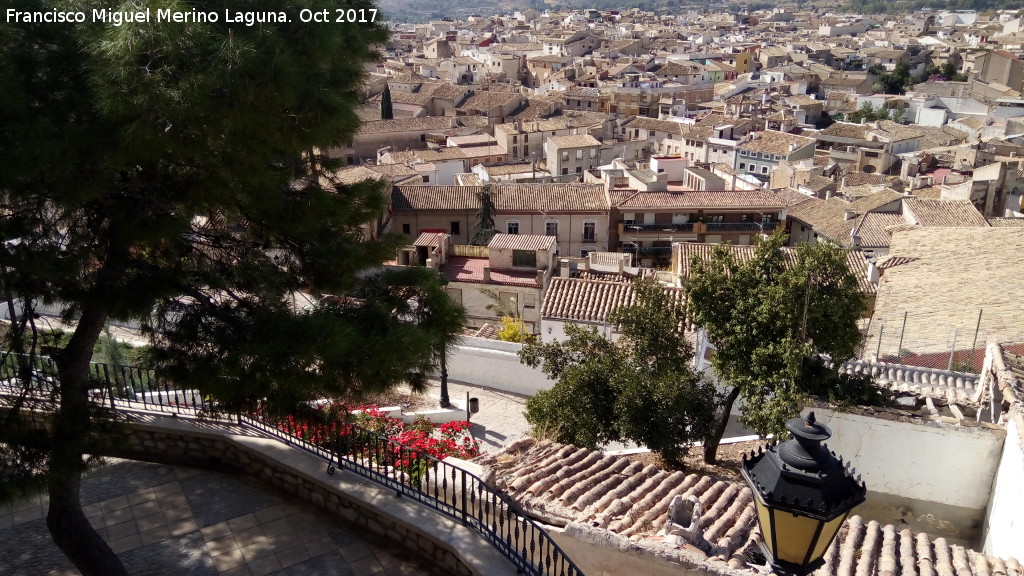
point(456, 493)
point(114, 386)
point(408, 471)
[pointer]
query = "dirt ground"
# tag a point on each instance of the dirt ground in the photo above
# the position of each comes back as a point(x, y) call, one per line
point(729, 458)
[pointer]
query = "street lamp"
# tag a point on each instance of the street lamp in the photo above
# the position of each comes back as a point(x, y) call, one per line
point(802, 494)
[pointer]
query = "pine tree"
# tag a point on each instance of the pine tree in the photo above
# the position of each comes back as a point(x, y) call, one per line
point(171, 173)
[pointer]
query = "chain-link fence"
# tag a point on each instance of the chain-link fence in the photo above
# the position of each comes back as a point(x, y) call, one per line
point(928, 340)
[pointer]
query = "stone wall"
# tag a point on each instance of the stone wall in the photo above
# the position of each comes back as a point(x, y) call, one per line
point(303, 476)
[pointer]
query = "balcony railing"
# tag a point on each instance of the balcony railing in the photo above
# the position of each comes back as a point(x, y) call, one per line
point(648, 250)
point(667, 227)
point(741, 226)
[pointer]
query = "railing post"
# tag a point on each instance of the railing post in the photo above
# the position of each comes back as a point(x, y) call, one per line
point(463, 496)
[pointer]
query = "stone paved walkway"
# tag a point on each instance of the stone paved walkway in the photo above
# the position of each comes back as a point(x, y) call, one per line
point(172, 521)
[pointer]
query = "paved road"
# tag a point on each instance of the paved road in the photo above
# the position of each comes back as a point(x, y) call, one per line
point(172, 521)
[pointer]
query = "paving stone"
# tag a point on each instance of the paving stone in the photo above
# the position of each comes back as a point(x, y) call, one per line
point(122, 477)
point(181, 555)
point(215, 498)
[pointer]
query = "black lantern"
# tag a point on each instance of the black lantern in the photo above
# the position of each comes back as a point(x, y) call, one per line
point(802, 494)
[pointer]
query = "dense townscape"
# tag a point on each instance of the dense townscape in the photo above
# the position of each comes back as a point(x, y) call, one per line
point(637, 242)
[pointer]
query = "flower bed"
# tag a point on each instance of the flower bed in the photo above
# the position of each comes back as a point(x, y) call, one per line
point(323, 424)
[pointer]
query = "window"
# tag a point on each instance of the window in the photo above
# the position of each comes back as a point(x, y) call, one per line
point(743, 165)
point(551, 228)
point(584, 252)
point(589, 231)
point(579, 169)
point(455, 228)
point(752, 169)
point(764, 169)
point(510, 300)
point(529, 300)
point(579, 154)
point(565, 171)
point(524, 258)
point(455, 294)
point(526, 138)
point(565, 156)
point(405, 229)
point(515, 150)
point(512, 226)
point(426, 179)
point(743, 218)
point(593, 153)
point(515, 139)
point(715, 219)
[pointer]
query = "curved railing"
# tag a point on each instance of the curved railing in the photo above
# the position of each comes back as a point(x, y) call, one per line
point(456, 493)
point(411, 473)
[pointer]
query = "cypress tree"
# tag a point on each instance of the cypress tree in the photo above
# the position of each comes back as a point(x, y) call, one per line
point(387, 110)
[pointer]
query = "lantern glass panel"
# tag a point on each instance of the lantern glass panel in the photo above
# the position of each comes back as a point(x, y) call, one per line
point(795, 535)
point(828, 532)
point(764, 520)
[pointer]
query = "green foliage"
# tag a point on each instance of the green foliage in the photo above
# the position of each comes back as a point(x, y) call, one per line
point(868, 113)
point(640, 388)
point(895, 82)
point(170, 173)
point(514, 330)
point(767, 315)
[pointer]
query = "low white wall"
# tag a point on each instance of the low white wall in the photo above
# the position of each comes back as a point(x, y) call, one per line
point(494, 364)
point(1004, 528)
point(945, 464)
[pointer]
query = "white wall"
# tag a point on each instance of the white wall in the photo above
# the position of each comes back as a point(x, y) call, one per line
point(954, 466)
point(495, 364)
point(1004, 526)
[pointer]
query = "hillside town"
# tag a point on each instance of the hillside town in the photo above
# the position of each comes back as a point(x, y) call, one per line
point(358, 378)
point(630, 133)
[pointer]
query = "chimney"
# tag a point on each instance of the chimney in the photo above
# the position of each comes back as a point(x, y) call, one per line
point(540, 278)
point(563, 268)
point(487, 274)
point(621, 264)
point(873, 273)
point(849, 215)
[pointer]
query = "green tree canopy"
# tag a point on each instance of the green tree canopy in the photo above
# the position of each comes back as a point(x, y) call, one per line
point(767, 317)
point(170, 173)
point(641, 387)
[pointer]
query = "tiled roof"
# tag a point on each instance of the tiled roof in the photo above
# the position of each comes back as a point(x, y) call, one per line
point(945, 213)
point(1006, 222)
point(689, 250)
point(573, 141)
point(775, 142)
point(406, 125)
point(576, 299)
point(549, 197)
point(628, 502)
point(948, 275)
point(846, 130)
point(872, 228)
point(704, 199)
point(531, 242)
point(404, 198)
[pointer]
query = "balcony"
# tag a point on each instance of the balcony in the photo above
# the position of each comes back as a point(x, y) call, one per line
point(589, 240)
point(648, 250)
point(742, 227)
point(667, 227)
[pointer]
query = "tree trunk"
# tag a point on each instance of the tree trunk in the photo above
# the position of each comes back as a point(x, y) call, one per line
point(70, 529)
point(711, 444)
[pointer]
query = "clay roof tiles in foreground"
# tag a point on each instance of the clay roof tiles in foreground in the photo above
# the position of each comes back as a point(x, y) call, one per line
point(531, 242)
point(627, 502)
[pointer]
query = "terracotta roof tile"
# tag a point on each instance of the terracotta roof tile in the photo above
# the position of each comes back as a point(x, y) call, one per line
point(521, 242)
point(404, 198)
point(704, 199)
point(945, 213)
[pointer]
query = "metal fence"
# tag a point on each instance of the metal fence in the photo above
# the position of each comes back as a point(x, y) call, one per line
point(128, 387)
point(931, 341)
point(409, 472)
point(458, 494)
